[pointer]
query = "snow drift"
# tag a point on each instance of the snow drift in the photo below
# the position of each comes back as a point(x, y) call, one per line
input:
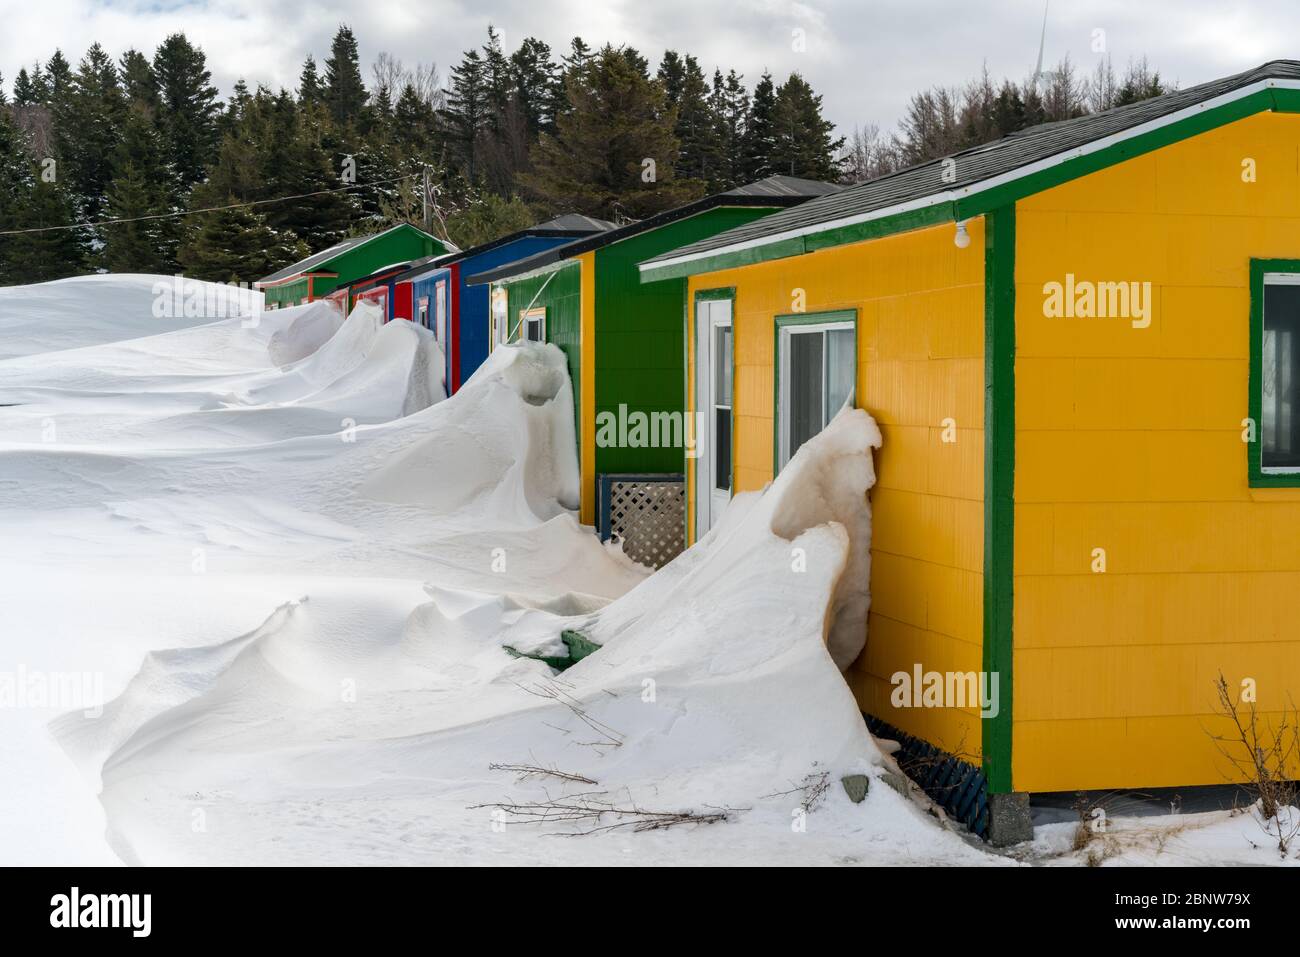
point(92, 310)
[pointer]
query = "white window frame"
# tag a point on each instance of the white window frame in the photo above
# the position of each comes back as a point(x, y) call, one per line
point(422, 311)
point(795, 327)
point(1272, 279)
point(527, 317)
point(440, 312)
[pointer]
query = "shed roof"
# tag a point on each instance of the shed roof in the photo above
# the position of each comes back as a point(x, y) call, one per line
point(317, 261)
point(962, 182)
point(776, 191)
point(568, 225)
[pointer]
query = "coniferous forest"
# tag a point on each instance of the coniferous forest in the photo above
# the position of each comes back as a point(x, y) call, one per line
point(159, 174)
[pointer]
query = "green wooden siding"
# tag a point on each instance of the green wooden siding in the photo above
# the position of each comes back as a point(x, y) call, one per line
point(395, 246)
point(639, 327)
point(560, 293)
point(288, 294)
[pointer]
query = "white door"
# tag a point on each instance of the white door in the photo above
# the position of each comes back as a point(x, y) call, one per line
point(713, 376)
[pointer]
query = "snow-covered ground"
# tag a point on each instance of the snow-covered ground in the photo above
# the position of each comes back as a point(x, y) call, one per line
point(284, 569)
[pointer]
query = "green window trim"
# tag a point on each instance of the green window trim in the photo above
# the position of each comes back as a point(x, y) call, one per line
point(999, 486)
point(784, 321)
point(692, 382)
point(1256, 476)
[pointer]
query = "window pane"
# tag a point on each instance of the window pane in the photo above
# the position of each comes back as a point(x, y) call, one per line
point(722, 449)
point(841, 370)
point(722, 365)
point(1280, 424)
point(805, 388)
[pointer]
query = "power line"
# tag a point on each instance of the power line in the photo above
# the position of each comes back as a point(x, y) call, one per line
point(210, 209)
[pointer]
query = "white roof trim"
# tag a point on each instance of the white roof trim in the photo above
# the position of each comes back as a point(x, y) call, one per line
point(949, 196)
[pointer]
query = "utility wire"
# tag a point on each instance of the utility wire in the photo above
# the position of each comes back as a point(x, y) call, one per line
point(210, 209)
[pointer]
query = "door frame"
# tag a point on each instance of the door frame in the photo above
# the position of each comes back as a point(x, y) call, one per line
point(782, 323)
point(727, 293)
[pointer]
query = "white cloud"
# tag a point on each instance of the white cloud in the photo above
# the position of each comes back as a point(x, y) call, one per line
point(866, 58)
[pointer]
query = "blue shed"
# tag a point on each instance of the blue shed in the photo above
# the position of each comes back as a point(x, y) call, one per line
point(433, 293)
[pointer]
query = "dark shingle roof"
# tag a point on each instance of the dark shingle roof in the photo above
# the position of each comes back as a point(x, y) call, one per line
point(981, 163)
point(772, 191)
point(568, 225)
point(317, 260)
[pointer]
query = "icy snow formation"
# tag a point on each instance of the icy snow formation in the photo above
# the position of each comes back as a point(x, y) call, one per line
point(293, 566)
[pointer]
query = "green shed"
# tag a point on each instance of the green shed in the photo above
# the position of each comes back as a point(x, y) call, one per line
point(625, 340)
point(343, 263)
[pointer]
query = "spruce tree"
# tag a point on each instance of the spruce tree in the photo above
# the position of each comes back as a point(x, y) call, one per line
point(15, 188)
point(27, 91)
point(310, 89)
point(695, 129)
point(58, 77)
point(345, 93)
point(596, 161)
point(534, 77)
point(41, 256)
point(759, 145)
point(139, 189)
point(187, 108)
point(804, 146)
point(234, 245)
point(88, 119)
point(138, 81)
point(465, 114)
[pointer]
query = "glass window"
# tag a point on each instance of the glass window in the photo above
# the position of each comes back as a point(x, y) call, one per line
point(818, 374)
point(1280, 377)
point(723, 365)
point(535, 325)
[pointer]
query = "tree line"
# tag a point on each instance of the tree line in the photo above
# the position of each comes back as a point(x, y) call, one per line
point(178, 179)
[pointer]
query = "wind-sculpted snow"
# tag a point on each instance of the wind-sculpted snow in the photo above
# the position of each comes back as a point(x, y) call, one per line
point(305, 576)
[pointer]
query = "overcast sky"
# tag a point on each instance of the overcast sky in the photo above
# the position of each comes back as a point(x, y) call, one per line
point(865, 57)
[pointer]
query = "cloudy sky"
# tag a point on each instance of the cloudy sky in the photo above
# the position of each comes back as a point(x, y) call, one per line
point(866, 57)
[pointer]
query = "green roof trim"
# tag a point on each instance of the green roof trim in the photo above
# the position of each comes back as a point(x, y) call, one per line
point(983, 178)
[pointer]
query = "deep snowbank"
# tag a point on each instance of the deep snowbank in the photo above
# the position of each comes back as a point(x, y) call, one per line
point(350, 727)
point(91, 310)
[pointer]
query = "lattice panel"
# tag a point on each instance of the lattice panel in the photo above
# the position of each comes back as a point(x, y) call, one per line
point(647, 514)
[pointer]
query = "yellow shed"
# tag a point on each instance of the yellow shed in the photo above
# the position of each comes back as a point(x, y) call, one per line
point(1082, 345)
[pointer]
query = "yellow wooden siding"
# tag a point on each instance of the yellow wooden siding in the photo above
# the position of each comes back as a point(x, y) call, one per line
point(587, 416)
point(1129, 440)
point(920, 304)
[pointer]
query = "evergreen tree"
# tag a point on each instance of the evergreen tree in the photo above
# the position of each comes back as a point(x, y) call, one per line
point(139, 189)
point(58, 77)
point(695, 129)
point(488, 217)
point(25, 91)
point(310, 88)
point(87, 120)
point(534, 77)
point(138, 81)
point(15, 187)
point(45, 255)
point(187, 108)
point(672, 76)
point(465, 115)
point(417, 121)
point(595, 162)
point(804, 146)
point(758, 145)
point(345, 93)
point(234, 245)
